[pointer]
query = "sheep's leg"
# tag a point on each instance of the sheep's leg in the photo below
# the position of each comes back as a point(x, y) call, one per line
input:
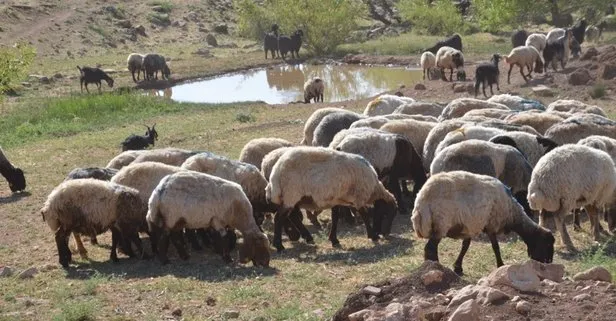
point(431, 250)
point(457, 266)
point(496, 249)
point(450, 74)
point(509, 74)
point(221, 243)
point(290, 230)
point(133, 74)
point(134, 239)
point(80, 248)
point(116, 238)
point(595, 224)
point(405, 188)
point(365, 216)
point(576, 220)
point(191, 235)
point(610, 218)
point(178, 242)
point(522, 73)
point(281, 215)
point(296, 219)
point(163, 247)
point(562, 229)
point(334, 228)
point(312, 217)
point(64, 253)
point(93, 239)
point(394, 188)
point(497, 85)
point(424, 74)
point(443, 77)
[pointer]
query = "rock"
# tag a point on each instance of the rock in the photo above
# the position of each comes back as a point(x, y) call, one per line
point(580, 76)
point(6, 271)
point(434, 314)
point(464, 294)
point(394, 312)
point(177, 312)
point(441, 299)
point(360, 315)
point(222, 28)
point(48, 267)
point(124, 23)
point(26, 84)
point(210, 301)
point(158, 8)
point(523, 307)
point(598, 273)
point(581, 297)
point(487, 295)
point(211, 40)
point(520, 277)
point(192, 16)
point(516, 298)
point(459, 88)
point(431, 277)
point(140, 30)
point(552, 272)
point(420, 87)
point(543, 91)
point(609, 71)
point(590, 53)
point(231, 314)
point(467, 311)
point(371, 290)
point(58, 76)
point(28, 273)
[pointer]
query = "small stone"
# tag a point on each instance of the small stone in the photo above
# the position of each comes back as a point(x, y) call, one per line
point(543, 91)
point(6, 271)
point(516, 298)
point(360, 315)
point(394, 312)
point(431, 277)
point(467, 311)
point(549, 271)
point(609, 71)
point(590, 53)
point(597, 273)
point(210, 301)
point(487, 295)
point(520, 277)
point(222, 28)
point(580, 76)
point(28, 273)
point(231, 314)
point(48, 267)
point(176, 312)
point(523, 307)
point(464, 294)
point(211, 40)
point(371, 290)
point(441, 299)
point(581, 297)
point(420, 87)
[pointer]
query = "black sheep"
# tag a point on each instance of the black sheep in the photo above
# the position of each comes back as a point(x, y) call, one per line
point(137, 142)
point(91, 75)
point(270, 43)
point(578, 31)
point(518, 38)
point(487, 73)
point(454, 41)
point(290, 44)
point(14, 176)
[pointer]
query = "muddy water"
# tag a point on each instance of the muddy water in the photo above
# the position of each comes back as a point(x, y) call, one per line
point(284, 84)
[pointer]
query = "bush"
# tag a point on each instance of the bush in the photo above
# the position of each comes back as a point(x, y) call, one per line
point(245, 117)
point(597, 91)
point(441, 17)
point(14, 63)
point(161, 19)
point(493, 15)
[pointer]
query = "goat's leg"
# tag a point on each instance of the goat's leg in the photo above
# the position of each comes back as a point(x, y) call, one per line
point(431, 250)
point(496, 249)
point(457, 266)
point(297, 54)
point(509, 74)
point(334, 228)
point(491, 91)
point(483, 88)
point(86, 85)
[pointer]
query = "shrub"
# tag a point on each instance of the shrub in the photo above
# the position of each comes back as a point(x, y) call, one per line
point(597, 91)
point(245, 117)
point(165, 6)
point(440, 17)
point(161, 19)
point(493, 15)
point(14, 63)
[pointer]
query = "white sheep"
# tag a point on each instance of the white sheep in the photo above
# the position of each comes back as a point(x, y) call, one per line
point(494, 113)
point(135, 64)
point(313, 89)
point(91, 207)
point(575, 106)
point(532, 146)
point(574, 128)
point(554, 34)
point(449, 58)
point(462, 205)
point(317, 178)
point(427, 62)
point(540, 121)
point(420, 108)
point(377, 121)
point(254, 151)
point(599, 142)
point(467, 132)
point(125, 158)
point(516, 103)
point(195, 200)
point(314, 120)
point(570, 177)
point(415, 131)
point(385, 104)
point(524, 56)
point(537, 40)
point(435, 136)
point(169, 156)
point(460, 106)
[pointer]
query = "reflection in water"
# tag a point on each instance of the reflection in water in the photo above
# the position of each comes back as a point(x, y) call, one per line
point(284, 84)
point(167, 93)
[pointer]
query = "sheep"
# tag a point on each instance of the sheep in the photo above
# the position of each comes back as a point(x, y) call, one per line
point(540, 121)
point(378, 121)
point(574, 106)
point(89, 75)
point(90, 207)
point(516, 102)
point(592, 33)
point(137, 142)
point(574, 128)
point(518, 38)
point(270, 43)
point(195, 200)
point(317, 178)
point(415, 131)
point(554, 34)
point(489, 74)
point(450, 58)
point(557, 50)
point(466, 132)
point(152, 63)
point(460, 106)
point(124, 158)
point(454, 41)
point(332, 124)
point(537, 40)
point(135, 64)
point(576, 49)
point(169, 156)
point(314, 120)
point(524, 56)
point(290, 44)
point(13, 175)
point(532, 146)
point(313, 89)
point(385, 104)
point(572, 176)
point(494, 113)
point(420, 108)
point(427, 62)
point(254, 151)
point(502, 125)
point(435, 136)
point(462, 205)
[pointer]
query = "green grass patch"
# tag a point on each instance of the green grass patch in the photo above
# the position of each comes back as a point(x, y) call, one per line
point(164, 6)
point(597, 91)
point(98, 29)
point(83, 310)
point(158, 18)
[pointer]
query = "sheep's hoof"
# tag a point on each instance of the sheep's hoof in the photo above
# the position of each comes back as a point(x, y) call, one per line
point(458, 270)
point(310, 241)
point(115, 259)
point(577, 228)
point(336, 244)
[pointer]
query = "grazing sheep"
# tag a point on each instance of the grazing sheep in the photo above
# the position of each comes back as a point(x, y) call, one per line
point(317, 178)
point(462, 205)
point(89, 75)
point(518, 38)
point(557, 50)
point(532, 146)
point(385, 104)
point(13, 175)
point(90, 207)
point(314, 120)
point(254, 151)
point(415, 131)
point(138, 142)
point(332, 124)
point(575, 106)
point(449, 58)
point(135, 64)
point(152, 63)
point(516, 102)
point(460, 106)
point(540, 121)
point(427, 62)
point(290, 44)
point(537, 40)
point(467, 132)
point(574, 128)
point(524, 56)
point(169, 156)
point(270, 43)
point(420, 108)
point(124, 158)
point(377, 121)
point(489, 74)
point(494, 113)
point(592, 33)
point(499, 124)
point(195, 200)
point(313, 89)
point(454, 41)
point(435, 136)
point(570, 177)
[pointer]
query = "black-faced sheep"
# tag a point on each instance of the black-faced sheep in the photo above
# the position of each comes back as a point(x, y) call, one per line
point(489, 74)
point(137, 142)
point(210, 202)
point(89, 75)
point(462, 205)
point(532, 146)
point(331, 124)
point(313, 121)
point(291, 44)
point(449, 58)
point(135, 64)
point(313, 89)
point(518, 38)
point(524, 56)
point(13, 175)
point(454, 41)
point(152, 63)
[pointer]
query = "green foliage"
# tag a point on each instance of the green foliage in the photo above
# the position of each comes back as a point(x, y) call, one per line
point(165, 6)
point(493, 15)
point(597, 91)
point(441, 17)
point(325, 23)
point(245, 117)
point(76, 311)
point(161, 19)
point(14, 63)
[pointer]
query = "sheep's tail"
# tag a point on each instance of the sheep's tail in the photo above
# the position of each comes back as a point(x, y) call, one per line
point(477, 83)
point(536, 199)
point(273, 193)
point(422, 221)
point(507, 58)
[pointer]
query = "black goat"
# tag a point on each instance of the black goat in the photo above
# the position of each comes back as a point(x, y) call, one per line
point(487, 73)
point(518, 38)
point(91, 75)
point(557, 51)
point(13, 175)
point(454, 41)
point(290, 44)
point(137, 142)
point(100, 173)
point(578, 31)
point(270, 43)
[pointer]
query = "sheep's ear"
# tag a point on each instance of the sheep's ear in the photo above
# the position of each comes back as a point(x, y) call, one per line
point(153, 126)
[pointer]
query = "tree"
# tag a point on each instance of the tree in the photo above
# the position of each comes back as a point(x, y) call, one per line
point(14, 63)
point(435, 17)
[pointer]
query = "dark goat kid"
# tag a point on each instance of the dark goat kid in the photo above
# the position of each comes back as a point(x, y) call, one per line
point(91, 75)
point(454, 41)
point(579, 30)
point(13, 175)
point(137, 142)
point(518, 38)
point(557, 51)
point(487, 73)
point(290, 44)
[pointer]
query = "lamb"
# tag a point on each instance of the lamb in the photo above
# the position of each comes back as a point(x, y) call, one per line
point(557, 50)
point(270, 43)
point(454, 41)
point(518, 38)
point(466, 132)
point(574, 106)
point(537, 40)
point(516, 102)
point(89, 75)
point(570, 177)
point(449, 58)
point(489, 74)
point(255, 150)
point(152, 63)
point(540, 121)
point(135, 64)
point(332, 124)
point(460, 106)
point(169, 156)
point(317, 178)
point(137, 142)
point(462, 205)
point(313, 89)
point(385, 104)
point(427, 62)
point(532, 146)
point(574, 128)
point(195, 200)
point(124, 158)
point(290, 44)
point(524, 56)
point(420, 108)
point(314, 120)
point(90, 207)
point(415, 131)
point(13, 175)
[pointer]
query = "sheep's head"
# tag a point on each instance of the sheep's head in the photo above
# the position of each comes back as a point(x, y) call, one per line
point(109, 81)
point(166, 71)
point(255, 249)
point(540, 247)
point(16, 179)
